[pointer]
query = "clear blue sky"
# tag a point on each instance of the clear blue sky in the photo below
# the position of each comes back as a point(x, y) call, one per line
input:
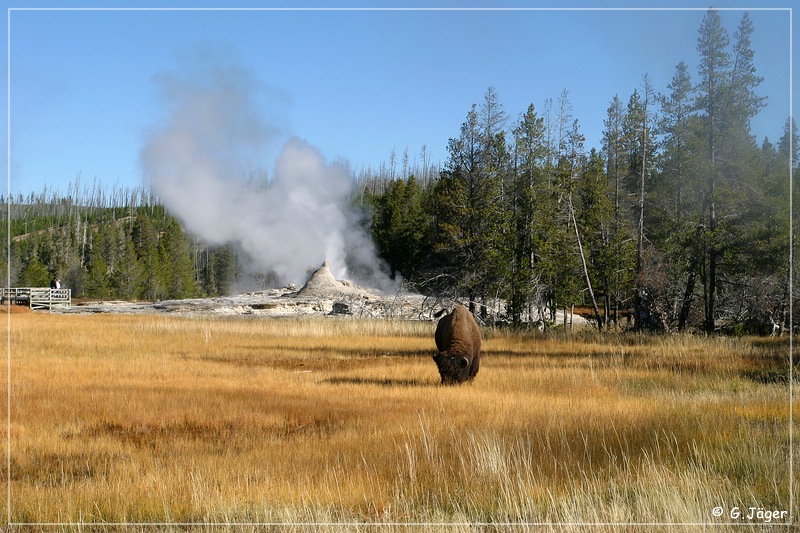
point(356, 84)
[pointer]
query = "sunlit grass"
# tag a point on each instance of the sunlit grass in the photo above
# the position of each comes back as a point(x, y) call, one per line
point(169, 419)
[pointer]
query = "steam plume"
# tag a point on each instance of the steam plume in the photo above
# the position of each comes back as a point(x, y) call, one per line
point(196, 162)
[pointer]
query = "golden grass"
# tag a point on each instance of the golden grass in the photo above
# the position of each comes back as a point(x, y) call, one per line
point(207, 420)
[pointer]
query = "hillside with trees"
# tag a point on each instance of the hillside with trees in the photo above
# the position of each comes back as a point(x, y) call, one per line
point(680, 220)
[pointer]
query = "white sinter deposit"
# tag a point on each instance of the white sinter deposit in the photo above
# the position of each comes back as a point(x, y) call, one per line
point(321, 295)
point(323, 284)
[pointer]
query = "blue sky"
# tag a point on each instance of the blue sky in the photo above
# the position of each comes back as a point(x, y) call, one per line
point(86, 86)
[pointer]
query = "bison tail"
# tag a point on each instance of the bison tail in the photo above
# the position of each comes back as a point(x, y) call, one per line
point(439, 313)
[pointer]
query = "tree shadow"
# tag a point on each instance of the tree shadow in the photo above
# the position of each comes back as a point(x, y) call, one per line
point(380, 382)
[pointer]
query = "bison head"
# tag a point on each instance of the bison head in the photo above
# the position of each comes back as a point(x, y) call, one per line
point(452, 368)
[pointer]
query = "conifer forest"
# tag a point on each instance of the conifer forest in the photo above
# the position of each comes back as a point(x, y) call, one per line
point(680, 220)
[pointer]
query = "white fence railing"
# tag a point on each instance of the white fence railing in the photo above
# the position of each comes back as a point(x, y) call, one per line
point(37, 297)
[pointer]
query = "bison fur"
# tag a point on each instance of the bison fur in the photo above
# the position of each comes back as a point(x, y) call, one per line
point(458, 340)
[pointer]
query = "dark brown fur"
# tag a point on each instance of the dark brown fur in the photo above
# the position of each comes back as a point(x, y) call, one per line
point(458, 340)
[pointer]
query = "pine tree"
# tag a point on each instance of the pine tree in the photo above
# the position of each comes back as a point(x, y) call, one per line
point(562, 256)
point(711, 96)
point(127, 273)
point(676, 126)
point(744, 102)
point(788, 146)
point(219, 271)
point(617, 164)
point(145, 243)
point(98, 281)
point(676, 195)
point(613, 146)
point(34, 274)
point(639, 142)
point(471, 225)
point(727, 155)
point(595, 218)
point(789, 162)
point(176, 260)
point(529, 191)
point(398, 227)
point(226, 268)
point(496, 200)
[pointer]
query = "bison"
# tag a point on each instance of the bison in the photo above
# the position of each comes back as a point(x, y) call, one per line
point(458, 340)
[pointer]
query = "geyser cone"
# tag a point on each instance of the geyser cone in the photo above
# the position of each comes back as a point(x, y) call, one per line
point(321, 280)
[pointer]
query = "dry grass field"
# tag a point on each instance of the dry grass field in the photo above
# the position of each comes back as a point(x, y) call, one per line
point(176, 420)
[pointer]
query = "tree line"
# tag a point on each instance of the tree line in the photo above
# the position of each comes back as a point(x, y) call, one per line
point(131, 250)
point(679, 220)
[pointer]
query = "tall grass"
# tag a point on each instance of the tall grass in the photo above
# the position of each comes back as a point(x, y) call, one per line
point(169, 419)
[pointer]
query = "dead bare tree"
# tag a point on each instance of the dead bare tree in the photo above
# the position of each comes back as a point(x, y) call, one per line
point(583, 263)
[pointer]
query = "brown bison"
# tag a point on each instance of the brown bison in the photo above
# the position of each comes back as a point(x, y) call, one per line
point(458, 340)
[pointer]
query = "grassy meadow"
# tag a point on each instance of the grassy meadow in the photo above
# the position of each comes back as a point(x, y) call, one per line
point(166, 419)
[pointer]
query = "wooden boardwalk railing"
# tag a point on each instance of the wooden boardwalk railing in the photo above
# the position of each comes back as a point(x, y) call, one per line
point(37, 297)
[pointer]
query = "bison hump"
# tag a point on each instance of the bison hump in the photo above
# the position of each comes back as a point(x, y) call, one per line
point(458, 332)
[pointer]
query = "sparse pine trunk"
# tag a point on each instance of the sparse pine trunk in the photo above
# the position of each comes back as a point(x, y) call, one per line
point(585, 267)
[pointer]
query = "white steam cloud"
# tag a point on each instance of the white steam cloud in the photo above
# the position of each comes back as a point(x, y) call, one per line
point(196, 163)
